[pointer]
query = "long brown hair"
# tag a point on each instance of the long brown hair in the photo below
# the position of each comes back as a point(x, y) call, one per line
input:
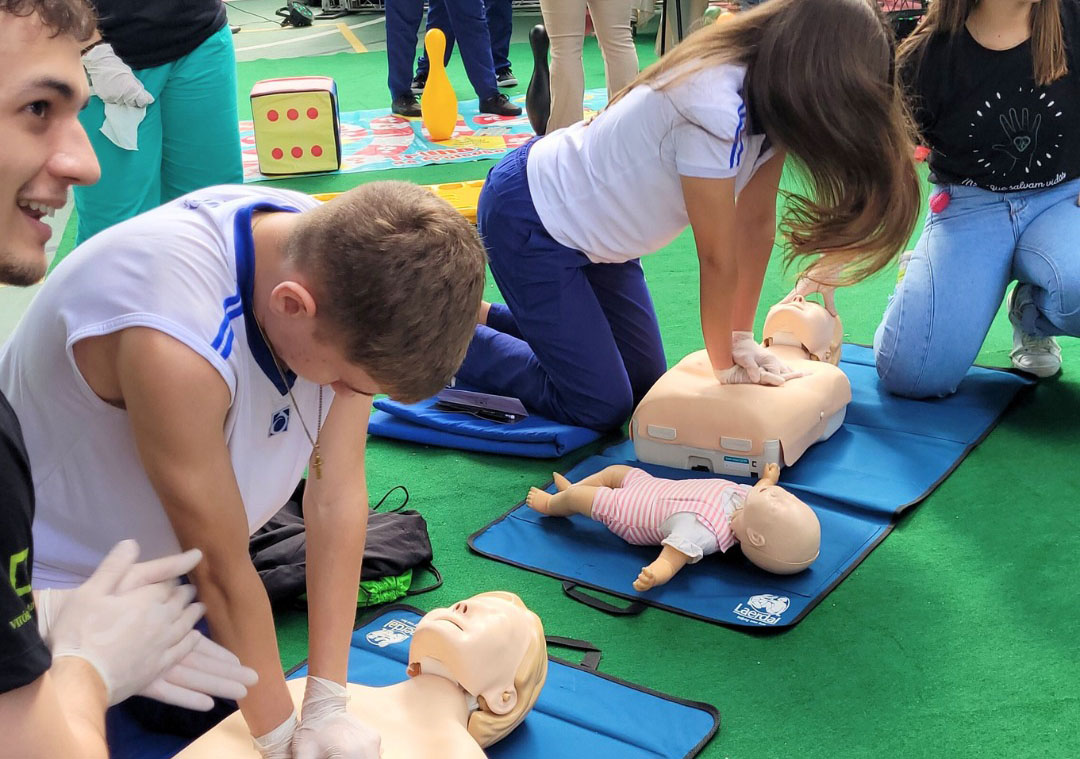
point(949, 17)
point(820, 82)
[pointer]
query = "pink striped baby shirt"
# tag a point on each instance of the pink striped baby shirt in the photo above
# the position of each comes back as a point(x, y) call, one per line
point(637, 510)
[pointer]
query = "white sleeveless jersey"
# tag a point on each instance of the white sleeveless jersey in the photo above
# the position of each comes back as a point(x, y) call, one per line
point(185, 269)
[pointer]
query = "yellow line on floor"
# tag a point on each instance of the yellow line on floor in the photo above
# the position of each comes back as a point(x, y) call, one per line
point(351, 38)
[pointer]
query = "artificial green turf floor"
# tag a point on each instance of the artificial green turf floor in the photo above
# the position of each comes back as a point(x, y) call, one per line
point(957, 637)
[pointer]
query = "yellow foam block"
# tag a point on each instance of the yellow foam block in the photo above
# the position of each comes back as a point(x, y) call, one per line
point(463, 196)
point(296, 125)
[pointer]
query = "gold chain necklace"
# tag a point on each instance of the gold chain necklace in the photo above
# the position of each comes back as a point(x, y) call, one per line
point(318, 429)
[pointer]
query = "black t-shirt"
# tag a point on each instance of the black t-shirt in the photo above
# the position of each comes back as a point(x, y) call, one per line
point(24, 656)
point(985, 120)
point(147, 33)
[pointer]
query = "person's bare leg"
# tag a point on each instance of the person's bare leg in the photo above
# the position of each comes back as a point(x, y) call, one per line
point(666, 566)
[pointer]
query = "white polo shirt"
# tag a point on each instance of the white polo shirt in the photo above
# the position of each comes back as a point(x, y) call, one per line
point(185, 269)
point(611, 188)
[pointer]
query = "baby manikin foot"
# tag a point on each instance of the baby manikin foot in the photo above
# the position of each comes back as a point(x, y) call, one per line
point(560, 482)
point(546, 503)
point(538, 500)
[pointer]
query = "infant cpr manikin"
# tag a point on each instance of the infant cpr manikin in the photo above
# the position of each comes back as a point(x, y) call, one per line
point(690, 421)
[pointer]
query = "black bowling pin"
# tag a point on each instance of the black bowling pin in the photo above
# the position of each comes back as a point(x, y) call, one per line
point(538, 96)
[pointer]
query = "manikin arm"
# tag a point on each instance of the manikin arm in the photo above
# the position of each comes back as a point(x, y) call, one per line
point(771, 475)
point(666, 566)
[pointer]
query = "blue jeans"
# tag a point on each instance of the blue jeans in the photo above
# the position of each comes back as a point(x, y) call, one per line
point(577, 342)
point(188, 140)
point(469, 25)
point(955, 280)
point(500, 24)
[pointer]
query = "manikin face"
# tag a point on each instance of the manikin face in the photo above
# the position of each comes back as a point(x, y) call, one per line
point(43, 150)
point(480, 642)
point(777, 531)
point(803, 323)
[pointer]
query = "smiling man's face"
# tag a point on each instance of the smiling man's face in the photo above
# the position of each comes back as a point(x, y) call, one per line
point(43, 148)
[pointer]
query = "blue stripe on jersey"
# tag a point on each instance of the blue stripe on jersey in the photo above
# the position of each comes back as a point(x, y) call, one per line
point(236, 309)
point(737, 145)
point(227, 348)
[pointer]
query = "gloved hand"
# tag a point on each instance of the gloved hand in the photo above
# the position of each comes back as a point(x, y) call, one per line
point(277, 744)
point(130, 637)
point(112, 80)
point(327, 731)
point(753, 364)
point(806, 286)
point(208, 671)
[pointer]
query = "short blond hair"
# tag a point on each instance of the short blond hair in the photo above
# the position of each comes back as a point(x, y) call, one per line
point(485, 726)
point(397, 275)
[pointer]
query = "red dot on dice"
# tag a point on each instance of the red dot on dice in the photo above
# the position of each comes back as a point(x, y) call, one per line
point(278, 153)
point(313, 113)
point(292, 114)
point(297, 152)
point(271, 115)
point(316, 151)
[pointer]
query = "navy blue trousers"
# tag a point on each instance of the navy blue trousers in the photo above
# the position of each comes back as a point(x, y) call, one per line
point(500, 23)
point(469, 26)
point(577, 342)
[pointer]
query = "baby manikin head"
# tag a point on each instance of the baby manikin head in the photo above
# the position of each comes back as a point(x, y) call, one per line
point(806, 325)
point(493, 646)
point(777, 532)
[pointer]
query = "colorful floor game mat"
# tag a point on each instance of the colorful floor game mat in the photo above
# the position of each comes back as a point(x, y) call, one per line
point(376, 140)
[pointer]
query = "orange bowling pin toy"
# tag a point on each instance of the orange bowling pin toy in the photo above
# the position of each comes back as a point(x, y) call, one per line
point(438, 104)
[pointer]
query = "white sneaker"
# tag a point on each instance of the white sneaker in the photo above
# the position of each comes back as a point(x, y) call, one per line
point(1040, 356)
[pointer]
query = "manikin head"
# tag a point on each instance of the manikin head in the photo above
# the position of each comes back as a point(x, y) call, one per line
point(777, 532)
point(806, 325)
point(494, 648)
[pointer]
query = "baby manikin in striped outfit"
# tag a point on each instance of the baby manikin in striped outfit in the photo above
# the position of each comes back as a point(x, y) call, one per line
point(691, 518)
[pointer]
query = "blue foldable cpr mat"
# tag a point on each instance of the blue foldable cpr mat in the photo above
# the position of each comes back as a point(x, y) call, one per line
point(580, 712)
point(889, 454)
point(534, 437)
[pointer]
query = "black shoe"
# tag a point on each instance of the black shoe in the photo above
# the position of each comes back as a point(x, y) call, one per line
point(406, 105)
point(418, 83)
point(499, 105)
point(505, 78)
point(234, 29)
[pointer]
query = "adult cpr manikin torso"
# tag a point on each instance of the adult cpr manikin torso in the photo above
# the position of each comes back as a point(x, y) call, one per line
point(482, 658)
point(690, 421)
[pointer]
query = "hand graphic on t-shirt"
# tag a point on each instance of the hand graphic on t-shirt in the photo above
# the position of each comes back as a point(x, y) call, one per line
point(1021, 135)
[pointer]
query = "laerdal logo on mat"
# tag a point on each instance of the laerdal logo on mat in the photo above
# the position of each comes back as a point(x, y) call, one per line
point(763, 609)
point(394, 631)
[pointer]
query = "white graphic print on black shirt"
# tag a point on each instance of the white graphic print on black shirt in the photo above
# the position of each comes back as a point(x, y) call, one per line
point(986, 121)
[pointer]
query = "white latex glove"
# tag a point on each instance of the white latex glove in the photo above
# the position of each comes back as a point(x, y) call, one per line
point(112, 80)
point(806, 286)
point(208, 671)
point(130, 637)
point(277, 744)
point(327, 731)
point(753, 364)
